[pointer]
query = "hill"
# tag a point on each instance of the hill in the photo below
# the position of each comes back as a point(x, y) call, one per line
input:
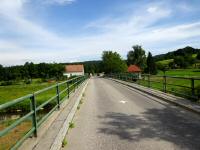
point(187, 51)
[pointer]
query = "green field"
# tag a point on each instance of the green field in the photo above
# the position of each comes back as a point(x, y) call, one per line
point(8, 93)
point(177, 86)
point(11, 92)
point(165, 62)
point(172, 88)
point(194, 55)
point(182, 72)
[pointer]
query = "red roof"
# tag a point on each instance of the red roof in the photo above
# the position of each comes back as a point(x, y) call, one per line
point(134, 68)
point(74, 68)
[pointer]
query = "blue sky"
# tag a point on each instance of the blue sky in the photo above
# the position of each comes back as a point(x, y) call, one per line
point(79, 30)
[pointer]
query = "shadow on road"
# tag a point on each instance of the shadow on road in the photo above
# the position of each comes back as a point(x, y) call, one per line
point(162, 124)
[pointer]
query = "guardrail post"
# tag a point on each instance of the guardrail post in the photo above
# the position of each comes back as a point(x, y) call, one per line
point(149, 85)
point(164, 84)
point(58, 95)
point(192, 87)
point(34, 116)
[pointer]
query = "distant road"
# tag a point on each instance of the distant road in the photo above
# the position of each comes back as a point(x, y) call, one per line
point(114, 117)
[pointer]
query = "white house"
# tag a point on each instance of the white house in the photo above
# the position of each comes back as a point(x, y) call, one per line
point(73, 70)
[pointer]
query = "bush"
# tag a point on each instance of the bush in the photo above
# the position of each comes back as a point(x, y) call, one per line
point(64, 142)
point(27, 81)
point(5, 83)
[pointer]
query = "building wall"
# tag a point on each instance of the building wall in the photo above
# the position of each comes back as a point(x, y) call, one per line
point(73, 74)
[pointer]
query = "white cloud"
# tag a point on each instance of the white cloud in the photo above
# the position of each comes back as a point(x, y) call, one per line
point(37, 43)
point(152, 9)
point(185, 7)
point(11, 7)
point(59, 2)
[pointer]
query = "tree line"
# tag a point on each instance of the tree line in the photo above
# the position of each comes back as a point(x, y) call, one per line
point(44, 71)
point(111, 62)
point(30, 71)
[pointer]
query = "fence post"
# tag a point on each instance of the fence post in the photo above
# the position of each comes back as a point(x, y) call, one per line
point(77, 82)
point(68, 89)
point(34, 117)
point(164, 84)
point(74, 84)
point(192, 87)
point(149, 85)
point(80, 80)
point(58, 95)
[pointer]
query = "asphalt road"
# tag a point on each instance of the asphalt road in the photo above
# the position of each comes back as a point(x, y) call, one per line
point(115, 117)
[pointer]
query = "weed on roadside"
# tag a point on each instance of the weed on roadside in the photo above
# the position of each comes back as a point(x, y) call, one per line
point(83, 94)
point(64, 142)
point(81, 102)
point(71, 125)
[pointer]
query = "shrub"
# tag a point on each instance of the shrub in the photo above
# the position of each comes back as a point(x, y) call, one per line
point(27, 81)
point(71, 125)
point(64, 142)
point(5, 83)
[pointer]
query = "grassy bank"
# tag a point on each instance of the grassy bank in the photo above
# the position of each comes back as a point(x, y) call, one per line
point(7, 141)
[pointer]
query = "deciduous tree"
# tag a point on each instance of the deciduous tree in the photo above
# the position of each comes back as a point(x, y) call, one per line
point(136, 56)
point(113, 63)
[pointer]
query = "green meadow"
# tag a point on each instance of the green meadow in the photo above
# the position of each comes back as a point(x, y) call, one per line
point(177, 86)
point(181, 72)
point(11, 92)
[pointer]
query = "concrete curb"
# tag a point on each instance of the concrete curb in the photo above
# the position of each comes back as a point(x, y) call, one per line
point(63, 131)
point(195, 108)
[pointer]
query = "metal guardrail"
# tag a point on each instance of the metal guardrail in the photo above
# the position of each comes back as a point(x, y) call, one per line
point(167, 84)
point(71, 85)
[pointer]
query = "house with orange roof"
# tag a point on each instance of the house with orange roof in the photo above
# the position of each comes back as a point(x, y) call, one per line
point(74, 70)
point(135, 69)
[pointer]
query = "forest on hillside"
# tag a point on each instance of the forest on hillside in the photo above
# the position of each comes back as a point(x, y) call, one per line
point(179, 52)
point(179, 59)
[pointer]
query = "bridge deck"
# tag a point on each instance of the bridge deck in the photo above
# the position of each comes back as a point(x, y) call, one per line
point(113, 117)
